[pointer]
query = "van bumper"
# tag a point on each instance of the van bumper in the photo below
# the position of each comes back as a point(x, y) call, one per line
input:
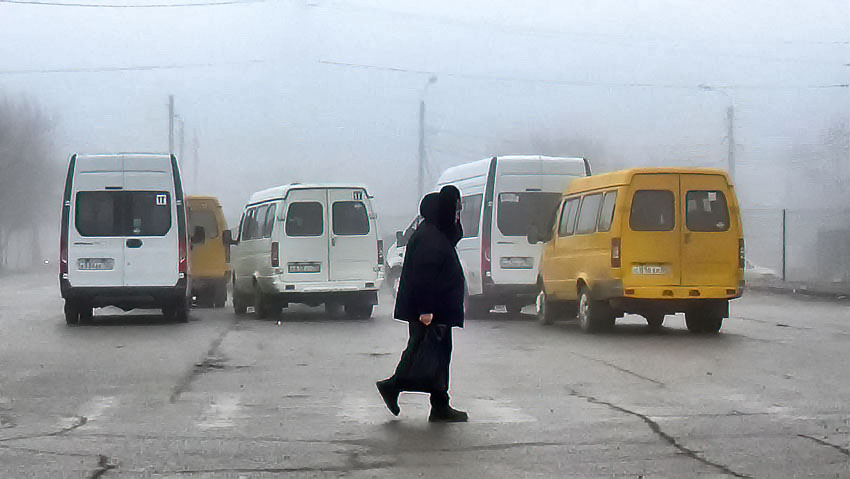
point(501, 291)
point(666, 293)
point(126, 297)
point(322, 292)
point(669, 306)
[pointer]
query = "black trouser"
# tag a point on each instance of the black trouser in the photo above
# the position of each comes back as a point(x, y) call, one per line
point(417, 332)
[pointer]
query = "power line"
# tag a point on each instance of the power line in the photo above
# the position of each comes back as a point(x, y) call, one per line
point(131, 68)
point(474, 76)
point(141, 5)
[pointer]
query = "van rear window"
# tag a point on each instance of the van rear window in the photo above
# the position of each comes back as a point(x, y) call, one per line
point(305, 218)
point(350, 218)
point(123, 213)
point(517, 212)
point(707, 211)
point(653, 210)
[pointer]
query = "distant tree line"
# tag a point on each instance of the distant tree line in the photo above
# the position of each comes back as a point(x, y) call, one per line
point(28, 179)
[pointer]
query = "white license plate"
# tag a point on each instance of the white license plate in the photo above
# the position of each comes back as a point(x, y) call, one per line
point(304, 267)
point(648, 269)
point(516, 262)
point(95, 264)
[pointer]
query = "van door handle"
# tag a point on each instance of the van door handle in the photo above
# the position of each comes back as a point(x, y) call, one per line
point(333, 241)
point(134, 243)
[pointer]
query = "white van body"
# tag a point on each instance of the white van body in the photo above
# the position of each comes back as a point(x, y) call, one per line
point(123, 235)
point(502, 198)
point(308, 243)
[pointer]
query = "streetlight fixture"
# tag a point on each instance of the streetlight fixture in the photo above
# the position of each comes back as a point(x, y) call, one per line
point(730, 127)
point(421, 178)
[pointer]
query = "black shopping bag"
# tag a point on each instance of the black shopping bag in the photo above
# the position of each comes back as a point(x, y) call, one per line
point(426, 371)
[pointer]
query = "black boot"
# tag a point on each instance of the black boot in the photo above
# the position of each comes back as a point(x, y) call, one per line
point(447, 414)
point(390, 395)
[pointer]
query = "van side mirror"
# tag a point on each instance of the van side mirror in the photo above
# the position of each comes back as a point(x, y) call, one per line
point(227, 238)
point(199, 235)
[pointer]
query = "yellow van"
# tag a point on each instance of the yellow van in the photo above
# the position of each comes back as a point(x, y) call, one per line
point(209, 254)
point(647, 241)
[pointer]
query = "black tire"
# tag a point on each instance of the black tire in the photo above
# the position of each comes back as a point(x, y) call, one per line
point(476, 306)
point(72, 314)
point(593, 316)
point(86, 313)
point(333, 309)
point(654, 320)
point(514, 308)
point(240, 306)
point(220, 295)
point(703, 323)
point(359, 310)
point(178, 312)
point(546, 311)
point(262, 305)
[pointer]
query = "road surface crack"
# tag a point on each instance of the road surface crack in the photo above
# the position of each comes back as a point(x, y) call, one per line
point(656, 428)
point(212, 360)
point(620, 368)
point(79, 421)
point(843, 450)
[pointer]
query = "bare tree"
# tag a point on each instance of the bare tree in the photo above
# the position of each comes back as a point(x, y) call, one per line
point(27, 175)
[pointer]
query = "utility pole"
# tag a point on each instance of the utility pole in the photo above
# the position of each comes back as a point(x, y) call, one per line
point(182, 126)
point(421, 177)
point(170, 124)
point(197, 160)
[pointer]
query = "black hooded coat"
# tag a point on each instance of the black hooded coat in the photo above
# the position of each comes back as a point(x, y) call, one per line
point(432, 278)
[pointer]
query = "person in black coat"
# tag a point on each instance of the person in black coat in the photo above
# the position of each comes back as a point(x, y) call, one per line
point(430, 295)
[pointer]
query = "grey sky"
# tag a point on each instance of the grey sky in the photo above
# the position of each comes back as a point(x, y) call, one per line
point(511, 76)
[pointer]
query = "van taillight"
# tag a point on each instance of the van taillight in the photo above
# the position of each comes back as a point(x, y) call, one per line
point(275, 255)
point(486, 260)
point(63, 253)
point(380, 252)
point(183, 264)
point(741, 257)
point(615, 252)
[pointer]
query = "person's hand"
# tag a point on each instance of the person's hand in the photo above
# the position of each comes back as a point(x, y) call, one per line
point(426, 318)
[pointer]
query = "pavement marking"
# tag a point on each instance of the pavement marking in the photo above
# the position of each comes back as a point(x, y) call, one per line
point(221, 412)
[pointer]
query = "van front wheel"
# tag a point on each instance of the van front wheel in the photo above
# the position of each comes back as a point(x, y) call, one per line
point(359, 310)
point(544, 307)
point(593, 316)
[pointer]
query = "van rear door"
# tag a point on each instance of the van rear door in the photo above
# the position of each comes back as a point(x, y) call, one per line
point(651, 246)
point(304, 243)
point(95, 236)
point(353, 246)
point(151, 246)
point(710, 233)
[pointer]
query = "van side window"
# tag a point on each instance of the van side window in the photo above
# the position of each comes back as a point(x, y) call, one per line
point(588, 214)
point(259, 222)
point(653, 210)
point(706, 211)
point(470, 215)
point(350, 218)
point(606, 217)
point(305, 218)
point(268, 224)
point(568, 217)
point(250, 224)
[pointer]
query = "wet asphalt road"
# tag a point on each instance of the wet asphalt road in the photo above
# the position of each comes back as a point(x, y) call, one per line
point(224, 397)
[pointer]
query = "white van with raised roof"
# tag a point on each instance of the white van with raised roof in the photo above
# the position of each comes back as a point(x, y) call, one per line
point(308, 243)
point(504, 198)
point(123, 235)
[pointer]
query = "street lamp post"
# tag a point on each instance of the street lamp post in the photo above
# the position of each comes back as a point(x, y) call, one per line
point(730, 129)
point(421, 177)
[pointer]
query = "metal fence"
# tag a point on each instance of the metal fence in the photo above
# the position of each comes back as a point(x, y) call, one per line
point(811, 247)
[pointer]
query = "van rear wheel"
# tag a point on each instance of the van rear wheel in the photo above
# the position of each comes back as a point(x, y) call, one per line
point(654, 320)
point(593, 316)
point(359, 310)
point(72, 314)
point(701, 322)
point(262, 307)
point(545, 308)
point(240, 307)
point(220, 295)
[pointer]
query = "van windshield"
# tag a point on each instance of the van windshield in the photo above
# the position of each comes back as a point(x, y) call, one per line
point(123, 213)
point(517, 212)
